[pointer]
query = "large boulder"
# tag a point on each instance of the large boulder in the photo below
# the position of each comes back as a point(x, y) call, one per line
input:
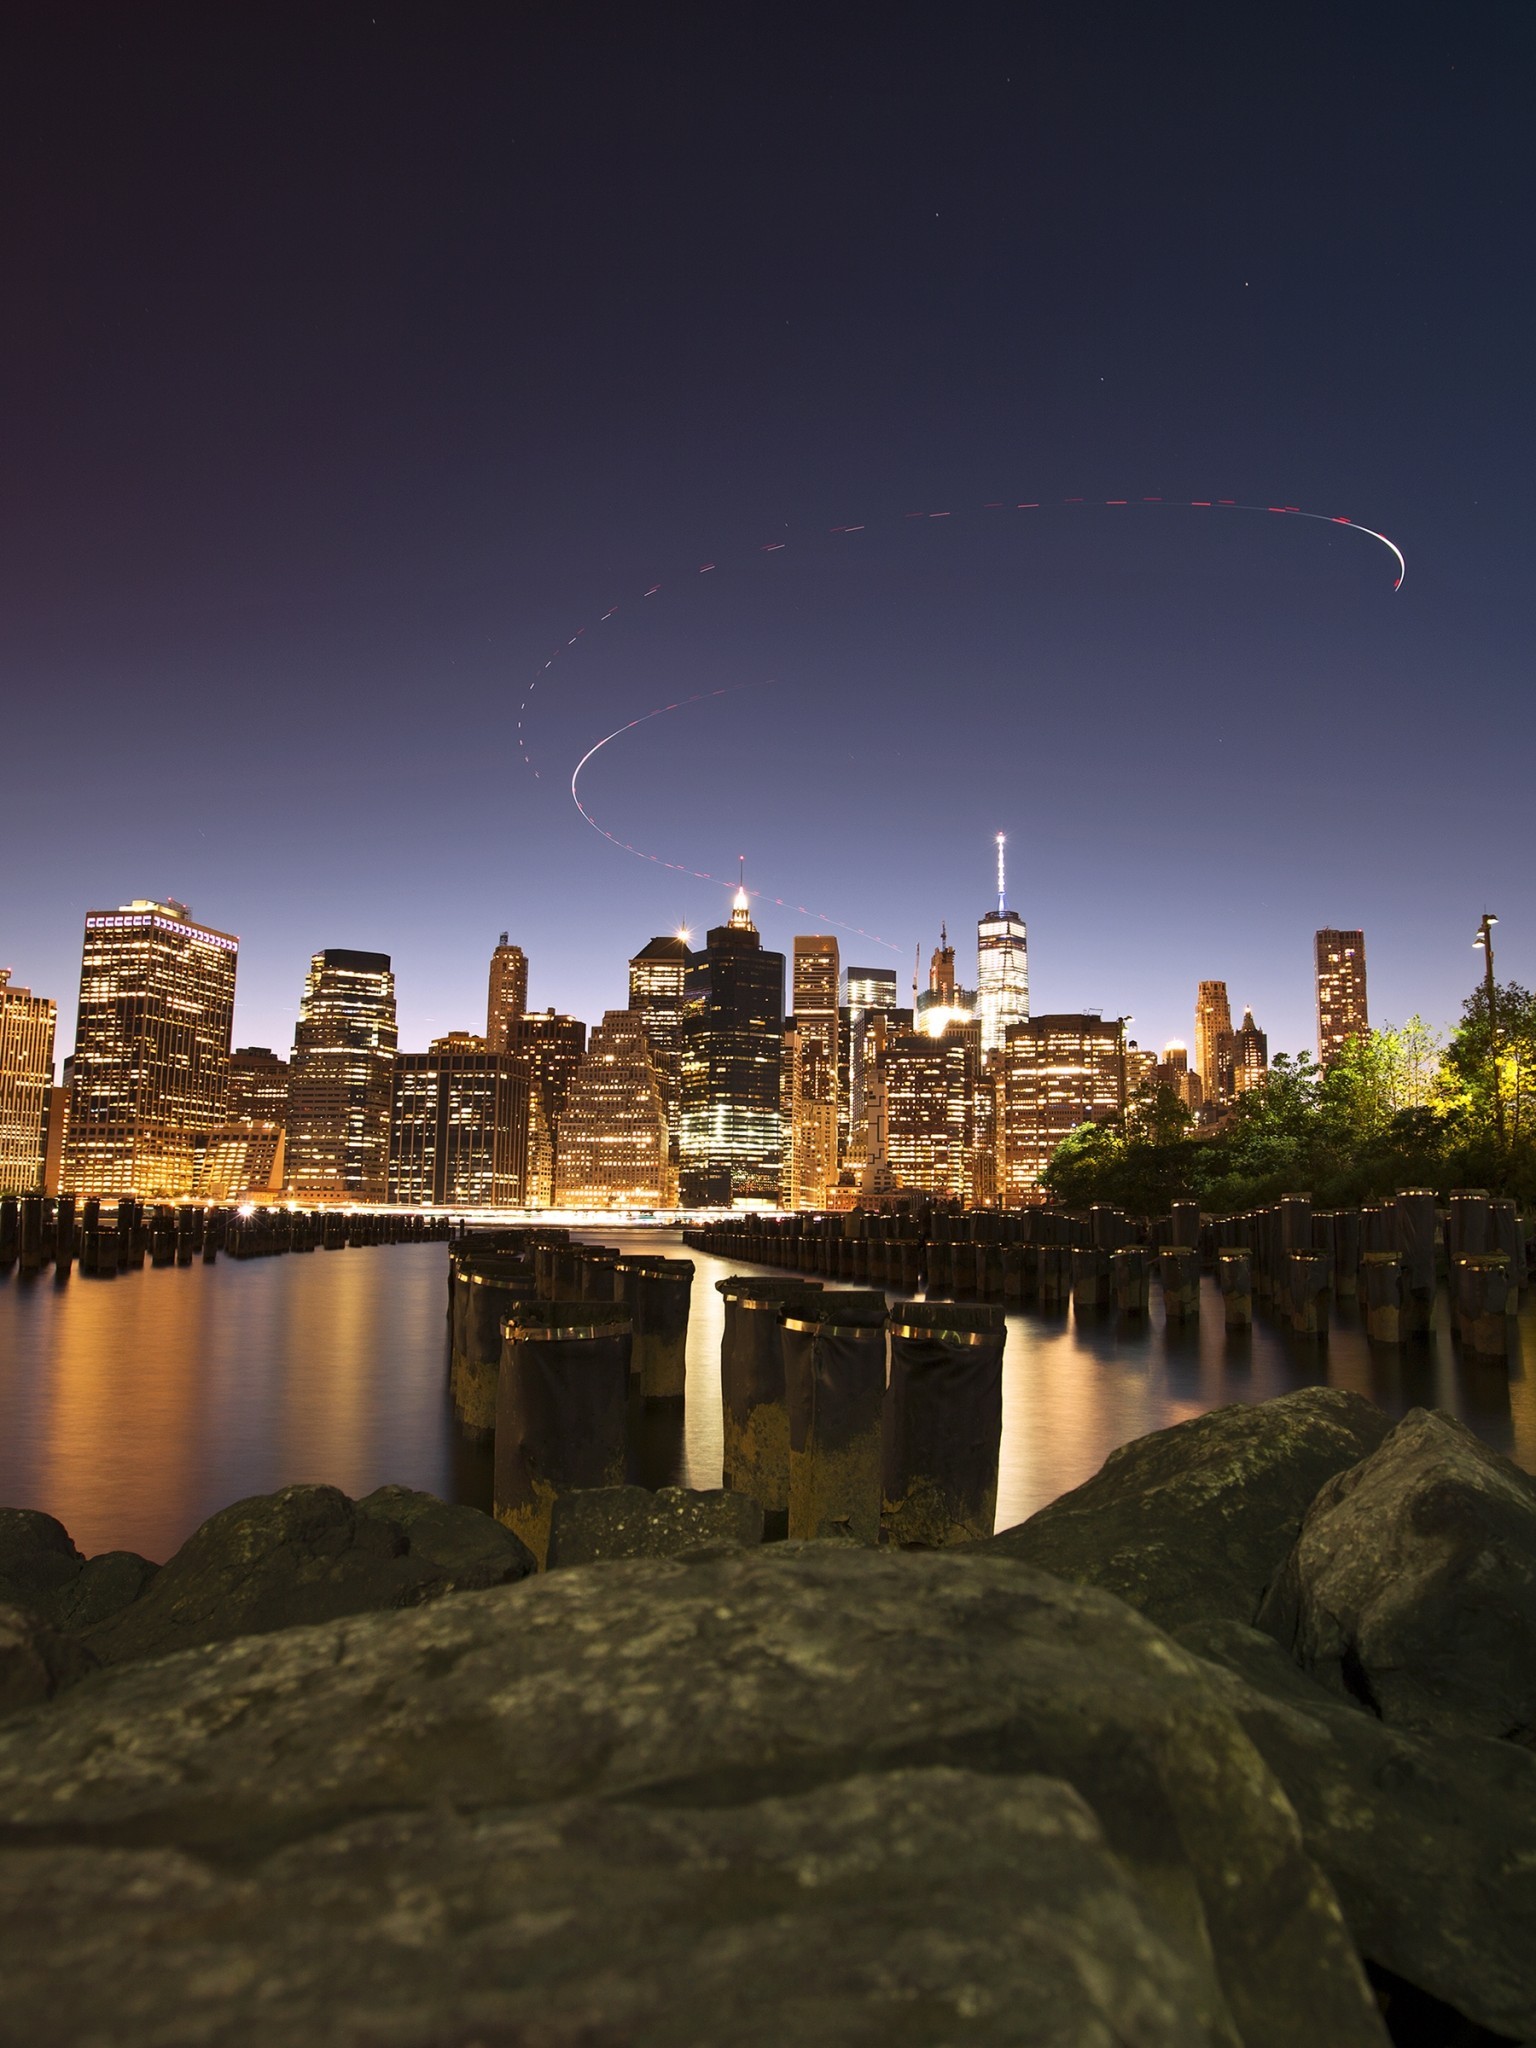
point(40, 1569)
point(1412, 1584)
point(37, 1661)
point(597, 1522)
point(1192, 1523)
point(905, 1907)
point(1427, 1839)
point(793, 1760)
point(307, 1554)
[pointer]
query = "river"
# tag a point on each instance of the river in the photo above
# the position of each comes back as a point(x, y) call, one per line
point(134, 1408)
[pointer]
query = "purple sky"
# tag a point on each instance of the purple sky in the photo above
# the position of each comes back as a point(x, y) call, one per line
point(355, 357)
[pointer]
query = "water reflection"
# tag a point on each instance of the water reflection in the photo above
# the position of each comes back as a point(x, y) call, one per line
point(134, 1408)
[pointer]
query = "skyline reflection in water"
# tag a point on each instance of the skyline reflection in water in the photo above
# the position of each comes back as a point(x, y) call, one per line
point(135, 1408)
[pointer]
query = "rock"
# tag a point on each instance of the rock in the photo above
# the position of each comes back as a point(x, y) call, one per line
point(37, 1661)
point(908, 1907)
point(1412, 1584)
point(37, 1557)
point(741, 1740)
point(304, 1554)
point(470, 1546)
point(1427, 1840)
point(595, 1522)
point(103, 1586)
point(41, 1569)
point(1193, 1522)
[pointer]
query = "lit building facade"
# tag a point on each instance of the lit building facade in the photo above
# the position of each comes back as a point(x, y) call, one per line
point(1250, 1057)
point(614, 1149)
point(1341, 1005)
point(932, 1077)
point(549, 1046)
point(1002, 967)
point(507, 997)
point(151, 1059)
point(1058, 1072)
point(26, 1083)
point(811, 1133)
point(458, 1135)
point(868, 991)
point(341, 1078)
point(1213, 1041)
point(730, 1127)
point(247, 1154)
point(1174, 1074)
point(657, 975)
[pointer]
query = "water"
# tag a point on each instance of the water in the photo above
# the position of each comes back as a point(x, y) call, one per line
point(132, 1409)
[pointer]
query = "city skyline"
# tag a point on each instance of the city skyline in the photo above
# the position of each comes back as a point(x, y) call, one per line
point(528, 985)
point(299, 555)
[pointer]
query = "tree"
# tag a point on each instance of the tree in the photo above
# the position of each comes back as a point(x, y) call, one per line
point(1467, 1069)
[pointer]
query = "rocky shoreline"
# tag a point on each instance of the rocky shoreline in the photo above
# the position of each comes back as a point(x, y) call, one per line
point(1236, 1743)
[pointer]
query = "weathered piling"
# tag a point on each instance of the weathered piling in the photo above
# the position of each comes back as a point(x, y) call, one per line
point(1509, 1238)
point(1131, 1279)
point(1178, 1268)
point(561, 1410)
point(657, 1293)
point(596, 1264)
point(1234, 1276)
point(1184, 1225)
point(1295, 1214)
point(1018, 1275)
point(65, 1236)
point(29, 1238)
point(754, 1418)
point(1416, 1221)
point(488, 1288)
point(1381, 1290)
point(834, 1389)
point(1468, 1225)
point(1346, 1252)
point(1378, 1228)
point(1485, 1303)
point(1053, 1268)
point(10, 1232)
point(943, 1422)
point(1306, 1278)
point(1090, 1277)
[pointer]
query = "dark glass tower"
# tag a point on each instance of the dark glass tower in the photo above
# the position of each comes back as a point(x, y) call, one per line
point(730, 1133)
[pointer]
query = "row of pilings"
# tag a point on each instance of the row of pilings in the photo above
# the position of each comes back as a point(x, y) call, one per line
point(105, 1238)
point(1293, 1258)
point(843, 1414)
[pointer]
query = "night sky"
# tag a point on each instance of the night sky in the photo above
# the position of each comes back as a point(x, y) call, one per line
point(354, 357)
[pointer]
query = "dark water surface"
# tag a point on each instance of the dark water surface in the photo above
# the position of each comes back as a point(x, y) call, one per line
point(134, 1408)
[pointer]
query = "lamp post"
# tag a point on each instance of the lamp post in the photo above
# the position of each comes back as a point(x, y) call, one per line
point(1122, 1022)
point(1485, 940)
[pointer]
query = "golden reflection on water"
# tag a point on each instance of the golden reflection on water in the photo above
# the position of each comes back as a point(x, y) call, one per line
point(134, 1408)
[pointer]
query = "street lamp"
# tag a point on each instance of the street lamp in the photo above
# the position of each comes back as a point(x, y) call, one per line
point(1485, 939)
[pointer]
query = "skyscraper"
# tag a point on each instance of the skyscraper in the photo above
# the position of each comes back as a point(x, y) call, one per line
point(932, 1075)
point(341, 1078)
point(656, 977)
point(458, 1126)
point(869, 990)
point(1250, 1056)
point(1174, 1074)
point(507, 997)
point(1002, 966)
point(26, 1079)
point(613, 1148)
point(549, 1047)
point(942, 999)
point(247, 1154)
point(1213, 1041)
point(1058, 1072)
point(1341, 1008)
point(157, 1005)
point(730, 1134)
point(811, 1140)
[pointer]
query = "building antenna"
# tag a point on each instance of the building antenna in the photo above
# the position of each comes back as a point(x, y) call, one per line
point(1002, 892)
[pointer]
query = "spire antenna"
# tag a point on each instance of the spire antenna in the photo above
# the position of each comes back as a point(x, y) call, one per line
point(1002, 890)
